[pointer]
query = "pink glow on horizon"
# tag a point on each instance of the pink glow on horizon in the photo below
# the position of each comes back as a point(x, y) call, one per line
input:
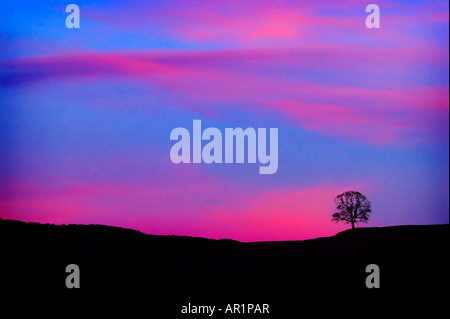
point(250, 215)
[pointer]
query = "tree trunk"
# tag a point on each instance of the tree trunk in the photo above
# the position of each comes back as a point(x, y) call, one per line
point(353, 225)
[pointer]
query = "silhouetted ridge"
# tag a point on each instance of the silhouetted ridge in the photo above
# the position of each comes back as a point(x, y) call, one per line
point(17, 229)
point(403, 232)
point(116, 261)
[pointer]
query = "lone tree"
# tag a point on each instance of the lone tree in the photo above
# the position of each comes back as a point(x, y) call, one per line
point(353, 207)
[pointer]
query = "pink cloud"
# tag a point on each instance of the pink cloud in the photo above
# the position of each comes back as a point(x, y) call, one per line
point(255, 23)
point(337, 121)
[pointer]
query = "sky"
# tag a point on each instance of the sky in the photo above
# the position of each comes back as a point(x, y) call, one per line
point(86, 114)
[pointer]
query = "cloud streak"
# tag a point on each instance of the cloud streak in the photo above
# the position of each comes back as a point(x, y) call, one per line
point(251, 80)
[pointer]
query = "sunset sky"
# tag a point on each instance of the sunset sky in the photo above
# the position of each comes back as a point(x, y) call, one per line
point(86, 114)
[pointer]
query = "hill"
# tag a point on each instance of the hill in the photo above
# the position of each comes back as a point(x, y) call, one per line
point(122, 262)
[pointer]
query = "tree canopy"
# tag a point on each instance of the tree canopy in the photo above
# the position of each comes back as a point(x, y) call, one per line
point(352, 207)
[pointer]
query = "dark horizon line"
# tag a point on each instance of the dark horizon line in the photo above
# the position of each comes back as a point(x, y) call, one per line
point(221, 239)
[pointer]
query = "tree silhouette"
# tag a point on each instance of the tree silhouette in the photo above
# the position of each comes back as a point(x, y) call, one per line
point(353, 207)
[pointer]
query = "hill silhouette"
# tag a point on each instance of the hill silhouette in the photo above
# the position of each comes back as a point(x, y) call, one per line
point(122, 262)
